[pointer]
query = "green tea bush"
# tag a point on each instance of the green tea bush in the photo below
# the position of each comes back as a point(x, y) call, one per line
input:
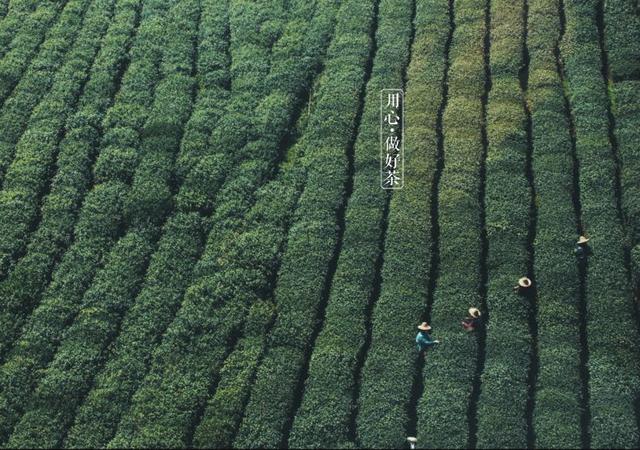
point(99, 225)
point(388, 372)
point(32, 86)
point(556, 415)
point(28, 175)
point(450, 368)
point(27, 39)
point(613, 369)
point(328, 402)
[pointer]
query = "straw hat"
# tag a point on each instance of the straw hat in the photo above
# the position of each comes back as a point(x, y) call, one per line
point(583, 240)
point(524, 282)
point(424, 326)
point(412, 439)
point(475, 312)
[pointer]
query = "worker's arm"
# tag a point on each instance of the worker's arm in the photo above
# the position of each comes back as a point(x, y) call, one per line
point(425, 340)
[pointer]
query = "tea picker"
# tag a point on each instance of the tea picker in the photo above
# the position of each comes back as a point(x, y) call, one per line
point(472, 321)
point(423, 339)
point(412, 442)
point(582, 250)
point(523, 285)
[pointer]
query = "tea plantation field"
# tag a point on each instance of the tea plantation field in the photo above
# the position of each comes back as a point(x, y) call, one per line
point(196, 250)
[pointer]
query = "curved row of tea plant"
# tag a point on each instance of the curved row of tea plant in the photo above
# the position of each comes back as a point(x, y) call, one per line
point(334, 358)
point(20, 291)
point(626, 109)
point(171, 265)
point(29, 174)
point(313, 237)
point(29, 37)
point(271, 214)
point(622, 40)
point(558, 402)
point(17, 13)
point(99, 223)
point(613, 374)
point(37, 80)
point(180, 245)
point(68, 377)
point(179, 409)
point(502, 404)
point(389, 369)
point(450, 368)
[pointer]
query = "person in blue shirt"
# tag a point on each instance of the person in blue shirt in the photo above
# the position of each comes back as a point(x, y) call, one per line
point(423, 339)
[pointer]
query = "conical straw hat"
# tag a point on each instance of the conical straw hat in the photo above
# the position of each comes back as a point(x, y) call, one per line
point(475, 312)
point(424, 326)
point(524, 282)
point(583, 240)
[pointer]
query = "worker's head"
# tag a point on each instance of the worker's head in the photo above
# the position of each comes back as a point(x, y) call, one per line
point(474, 312)
point(582, 240)
point(424, 326)
point(524, 282)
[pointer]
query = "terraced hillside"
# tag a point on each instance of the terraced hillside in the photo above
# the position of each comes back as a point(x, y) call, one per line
point(196, 249)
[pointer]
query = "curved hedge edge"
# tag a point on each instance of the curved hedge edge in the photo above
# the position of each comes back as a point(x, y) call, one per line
point(327, 407)
point(171, 266)
point(313, 237)
point(99, 224)
point(28, 39)
point(450, 368)
point(226, 406)
point(614, 371)
point(36, 81)
point(64, 383)
point(21, 290)
point(236, 198)
point(30, 172)
point(557, 410)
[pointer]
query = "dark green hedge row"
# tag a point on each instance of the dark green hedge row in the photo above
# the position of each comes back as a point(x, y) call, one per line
point(4, 7)
point(622, 39)
point(176, 386)
point(225, 408)
point(37, 80)
point(99, 223)
point(389, 370)
point(27, 40)
point(626, 109)
point(296, 54)
point(450, 368)
point(313, 236)
point(613, 368)
point(69, 376)
point(622, 44)
point(327, 406)
point(16, 15)
point(171, 265)
point(36, 151)
point(556, 415)
point(13, 19)
point(501, 410)
point(231, 125)
point(22, 288)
